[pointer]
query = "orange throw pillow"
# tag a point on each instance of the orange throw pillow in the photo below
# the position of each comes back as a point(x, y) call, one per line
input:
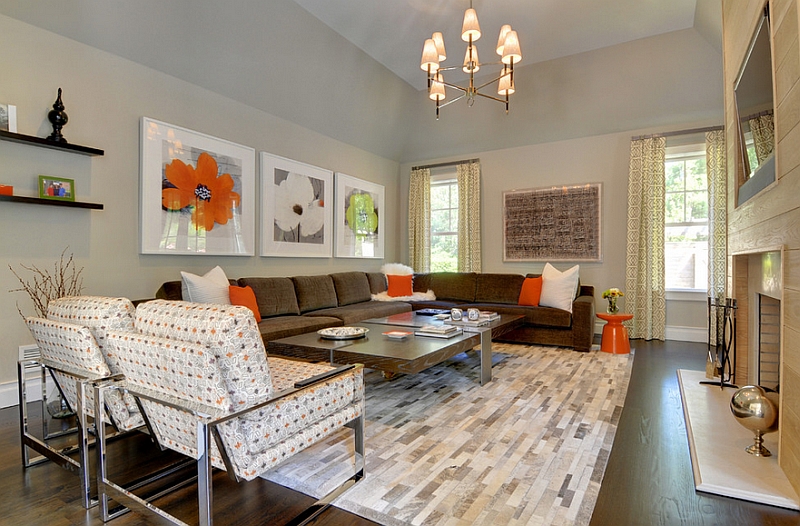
point(399, 285)
point(245, 297)
point(529, 295)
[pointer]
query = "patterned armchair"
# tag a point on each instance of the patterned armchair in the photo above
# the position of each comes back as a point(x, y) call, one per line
point(70, 345)
point(200, 370)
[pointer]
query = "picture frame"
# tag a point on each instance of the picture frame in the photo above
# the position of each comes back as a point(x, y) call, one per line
point(8, 117)
point(197, 194)
point(359, 217)
point(56, 188)
point(296, 212)
point(556, 223)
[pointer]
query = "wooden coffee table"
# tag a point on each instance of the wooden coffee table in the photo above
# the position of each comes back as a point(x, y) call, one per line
point(410, 355)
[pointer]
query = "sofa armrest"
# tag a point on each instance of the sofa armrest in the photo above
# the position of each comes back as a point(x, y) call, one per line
point(583, 322)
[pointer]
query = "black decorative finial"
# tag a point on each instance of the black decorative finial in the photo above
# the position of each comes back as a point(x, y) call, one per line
point(58, 118)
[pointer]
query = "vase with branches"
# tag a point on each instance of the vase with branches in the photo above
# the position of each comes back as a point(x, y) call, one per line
point(44, 285)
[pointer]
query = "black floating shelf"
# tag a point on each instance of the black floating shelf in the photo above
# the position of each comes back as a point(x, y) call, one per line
point(49, 202)
point(44, 143)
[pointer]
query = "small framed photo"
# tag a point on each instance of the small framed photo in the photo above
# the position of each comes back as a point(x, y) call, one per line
point(56, 188)
point(8, 117)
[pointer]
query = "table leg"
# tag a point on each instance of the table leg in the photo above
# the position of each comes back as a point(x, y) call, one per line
point(486, 357)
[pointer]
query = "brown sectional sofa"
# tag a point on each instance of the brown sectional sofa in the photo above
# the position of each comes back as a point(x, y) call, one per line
point(296, 305)
point(500, 293)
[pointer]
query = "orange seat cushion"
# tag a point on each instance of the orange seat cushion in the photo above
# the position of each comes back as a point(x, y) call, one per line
point(399, 285)
point(529, 295)
point(245, 297)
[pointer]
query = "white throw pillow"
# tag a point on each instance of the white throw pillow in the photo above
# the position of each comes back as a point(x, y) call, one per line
point(559, 288)
point(212, 287)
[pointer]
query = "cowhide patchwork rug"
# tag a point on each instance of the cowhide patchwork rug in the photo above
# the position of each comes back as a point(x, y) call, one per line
point(530, 447)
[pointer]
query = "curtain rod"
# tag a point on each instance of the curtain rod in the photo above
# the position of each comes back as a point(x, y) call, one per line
point(679, 132)
point(439, 165)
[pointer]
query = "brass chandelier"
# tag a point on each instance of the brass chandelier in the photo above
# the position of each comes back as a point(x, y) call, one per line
point(433, 53)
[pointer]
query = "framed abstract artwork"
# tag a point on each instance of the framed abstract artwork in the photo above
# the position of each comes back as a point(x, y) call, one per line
point(197, 193)
point(359, 218)
point(296, 211)
point(558, 223)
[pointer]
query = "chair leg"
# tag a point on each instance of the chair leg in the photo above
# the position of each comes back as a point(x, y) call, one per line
point(83, 445)
point(204, 474)
point(357, 425)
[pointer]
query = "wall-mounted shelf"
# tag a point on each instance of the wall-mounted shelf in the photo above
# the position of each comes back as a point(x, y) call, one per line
point(50, 202)
point(44, 143)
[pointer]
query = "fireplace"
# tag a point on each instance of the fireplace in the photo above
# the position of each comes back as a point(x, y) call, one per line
point(768, 346)
point(758, 288)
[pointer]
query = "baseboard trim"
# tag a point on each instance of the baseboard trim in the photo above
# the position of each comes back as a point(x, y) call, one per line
point(9, 392)
point(673, 332)
point(687, 334)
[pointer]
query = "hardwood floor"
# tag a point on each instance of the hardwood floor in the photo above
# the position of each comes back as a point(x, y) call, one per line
point(648, 480)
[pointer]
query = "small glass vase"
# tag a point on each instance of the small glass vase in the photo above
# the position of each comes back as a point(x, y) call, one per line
point(612, 306)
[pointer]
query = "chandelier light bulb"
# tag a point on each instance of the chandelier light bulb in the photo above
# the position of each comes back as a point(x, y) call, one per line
point(505, 86)
point(430, 57)
point(438, 39)
point(471, 62)
point(502, 39)
point(470, 27)
point(437, 88)
point(511, 51)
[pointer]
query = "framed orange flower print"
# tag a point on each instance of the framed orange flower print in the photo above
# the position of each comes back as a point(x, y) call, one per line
point(197, 193)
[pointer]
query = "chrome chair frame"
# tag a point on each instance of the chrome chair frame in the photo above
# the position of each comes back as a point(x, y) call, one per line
point(208, 419)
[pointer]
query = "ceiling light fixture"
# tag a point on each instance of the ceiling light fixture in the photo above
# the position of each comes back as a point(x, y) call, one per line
point(433, 54)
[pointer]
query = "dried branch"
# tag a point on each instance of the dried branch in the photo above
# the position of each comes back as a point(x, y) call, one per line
point(43, 286)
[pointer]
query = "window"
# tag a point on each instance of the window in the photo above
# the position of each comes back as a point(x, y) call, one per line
point(686, 218)
point(444, 223)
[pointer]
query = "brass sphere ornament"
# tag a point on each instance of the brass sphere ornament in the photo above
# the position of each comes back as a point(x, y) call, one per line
point(755, 411)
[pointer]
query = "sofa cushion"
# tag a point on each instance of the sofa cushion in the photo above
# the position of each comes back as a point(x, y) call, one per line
point(421, 282)
point(170, 290)
point(211, 287)
point(531, 292)
point(285, 326)
point(454, 286)
point(314, 292)
point(274, 296)
point(245, 297)
point(351, 287)
point(377, 282)
point(498, 288)
point(559, 288)
point(363, 311)
point(399, 286)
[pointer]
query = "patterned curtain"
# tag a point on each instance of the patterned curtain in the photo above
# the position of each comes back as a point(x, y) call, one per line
point(469, 216)
point(644, 274)
point(419, 220)
point(717, 222)
point(763, 128)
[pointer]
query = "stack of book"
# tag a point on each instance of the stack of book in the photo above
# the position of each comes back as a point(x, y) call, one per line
point(438, 331)
point(485, 319)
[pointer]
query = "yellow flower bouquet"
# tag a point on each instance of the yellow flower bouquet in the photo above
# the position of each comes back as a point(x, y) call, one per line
point(611, 295)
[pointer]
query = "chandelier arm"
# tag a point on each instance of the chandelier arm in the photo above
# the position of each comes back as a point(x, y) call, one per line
point(452, 101)
point(449, 68)
point(490, 97)
point(487, 83)
point(454, 86)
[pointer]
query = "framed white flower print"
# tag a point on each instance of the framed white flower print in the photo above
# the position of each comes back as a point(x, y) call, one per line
point(359, 218)
point(197, 193)
point(296, 211)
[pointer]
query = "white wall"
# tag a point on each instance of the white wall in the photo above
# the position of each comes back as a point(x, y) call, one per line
point(105, 97)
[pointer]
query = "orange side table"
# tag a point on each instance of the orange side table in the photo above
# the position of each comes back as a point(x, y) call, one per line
point(615, 334)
